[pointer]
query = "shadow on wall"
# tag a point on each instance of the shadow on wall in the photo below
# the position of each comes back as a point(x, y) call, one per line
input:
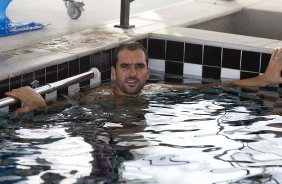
point(7, 27)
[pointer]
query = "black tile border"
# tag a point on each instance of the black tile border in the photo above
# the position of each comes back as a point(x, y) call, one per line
point(212, 56)
point(245, 75)
point(250, 61)
point(175, 68)
point(158, 48)
point(4, 87)
point(174, 51)
point(63, 71)
point(106, 76)
point(193, 53)
point(74, 67)
point(211, 72)
point(264, 62)
point(95, 60)
point(40, 76)
point(52, 74)
point(27, 79)
point(15, 82)
point(231, 58)
point(106, 60)
point(84, 64)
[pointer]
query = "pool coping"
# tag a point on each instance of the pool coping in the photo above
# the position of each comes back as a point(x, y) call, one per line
point(24, 59)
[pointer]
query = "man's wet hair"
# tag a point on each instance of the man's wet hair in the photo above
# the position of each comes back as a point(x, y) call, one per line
point(131, 46)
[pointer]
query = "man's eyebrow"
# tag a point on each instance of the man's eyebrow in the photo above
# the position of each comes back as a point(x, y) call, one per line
point(140, 64)
point(132, 63)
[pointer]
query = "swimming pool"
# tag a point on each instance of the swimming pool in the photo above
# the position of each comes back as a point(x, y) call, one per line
point(207, 135)
point(212, 135)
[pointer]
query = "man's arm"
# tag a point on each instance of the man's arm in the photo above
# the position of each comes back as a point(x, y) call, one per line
point(30, 99)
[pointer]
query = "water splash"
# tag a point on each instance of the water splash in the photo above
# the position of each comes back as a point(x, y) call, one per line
point(7, 27)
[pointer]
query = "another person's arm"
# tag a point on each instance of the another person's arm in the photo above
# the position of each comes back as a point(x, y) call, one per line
point(272, 74)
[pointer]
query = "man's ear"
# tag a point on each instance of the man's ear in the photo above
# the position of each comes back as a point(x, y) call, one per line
point(113, 69)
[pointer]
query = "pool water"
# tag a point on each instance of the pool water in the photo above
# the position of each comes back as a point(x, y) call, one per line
point(207, 135)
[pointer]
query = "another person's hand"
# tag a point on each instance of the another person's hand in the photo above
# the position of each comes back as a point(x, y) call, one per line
point(31, 100)
point(272, 74)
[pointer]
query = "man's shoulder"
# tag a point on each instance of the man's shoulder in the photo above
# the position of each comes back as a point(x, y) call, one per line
point(162, 85)
point(94, 94)
point(102, 90)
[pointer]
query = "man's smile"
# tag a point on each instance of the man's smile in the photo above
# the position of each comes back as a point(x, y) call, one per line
point(131, 82)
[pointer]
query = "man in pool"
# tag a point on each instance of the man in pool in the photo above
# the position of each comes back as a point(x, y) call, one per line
point(130, 71)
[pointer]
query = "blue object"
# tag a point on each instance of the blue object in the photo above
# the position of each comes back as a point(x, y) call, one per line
point(7, 27)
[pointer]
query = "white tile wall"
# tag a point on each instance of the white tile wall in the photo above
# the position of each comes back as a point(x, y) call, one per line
point(157, 64)
point(192, 69)
point(227, 73)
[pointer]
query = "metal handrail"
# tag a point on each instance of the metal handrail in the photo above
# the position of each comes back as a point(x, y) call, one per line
point(91, 74)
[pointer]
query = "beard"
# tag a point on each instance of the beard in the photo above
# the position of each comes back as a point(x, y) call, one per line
point(131, 86)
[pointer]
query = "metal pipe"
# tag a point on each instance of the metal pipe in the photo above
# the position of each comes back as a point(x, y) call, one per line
point(92, 73)
point(124, 15)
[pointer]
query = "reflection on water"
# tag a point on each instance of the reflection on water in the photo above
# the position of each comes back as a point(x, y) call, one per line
point(212, 135)
point(7, 27)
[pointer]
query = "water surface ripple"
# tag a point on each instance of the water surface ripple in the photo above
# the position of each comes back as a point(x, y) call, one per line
point(211, 135)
